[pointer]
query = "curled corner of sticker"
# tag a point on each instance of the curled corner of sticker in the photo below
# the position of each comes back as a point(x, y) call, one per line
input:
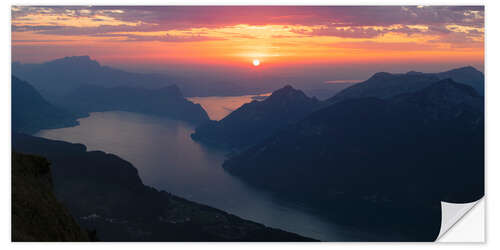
point(451, 213)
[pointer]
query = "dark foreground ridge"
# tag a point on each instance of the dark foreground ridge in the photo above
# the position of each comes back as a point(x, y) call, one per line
point(36, 213)
point(104, 193)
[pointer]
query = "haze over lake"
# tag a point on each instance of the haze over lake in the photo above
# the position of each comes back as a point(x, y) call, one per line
point(168, 159)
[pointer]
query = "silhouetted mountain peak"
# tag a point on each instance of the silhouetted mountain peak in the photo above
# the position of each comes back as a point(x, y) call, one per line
point(287, 93)
point(466, 69)
point(82, 61)
point(257, 120)
point(285, 90)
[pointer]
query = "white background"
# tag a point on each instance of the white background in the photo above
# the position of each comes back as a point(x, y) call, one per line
point(492, 67)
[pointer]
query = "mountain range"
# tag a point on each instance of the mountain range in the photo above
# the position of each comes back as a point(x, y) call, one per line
point(397, 156)
point(57, 78)
point(255, 121)
point(386, 85)
point(31, 112)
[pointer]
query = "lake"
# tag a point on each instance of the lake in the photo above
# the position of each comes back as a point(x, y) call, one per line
point(168, 159)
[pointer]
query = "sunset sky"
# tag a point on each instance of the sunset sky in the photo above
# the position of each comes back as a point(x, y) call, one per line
point(235, 36)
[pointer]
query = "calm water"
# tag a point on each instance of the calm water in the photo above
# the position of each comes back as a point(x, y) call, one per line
point(167, 159)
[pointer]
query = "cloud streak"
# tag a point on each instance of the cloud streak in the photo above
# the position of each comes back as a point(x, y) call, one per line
point(174, 17)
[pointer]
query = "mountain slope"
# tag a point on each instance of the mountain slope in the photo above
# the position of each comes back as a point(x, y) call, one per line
point(36, 213)
point(31, 112)
point(257, 120)
point(379, 163)
point(385, 85)
point(105, 193)
point(166, 101)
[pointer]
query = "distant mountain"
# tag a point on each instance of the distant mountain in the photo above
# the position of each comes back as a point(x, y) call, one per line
point(55, 79)
point(381, 163)
point(257, 120)
point(166, 101)
point(31, 112)
point(386, 85)
point(36, 213)
point(104, 193)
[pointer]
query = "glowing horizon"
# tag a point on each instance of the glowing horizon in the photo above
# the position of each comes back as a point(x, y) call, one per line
point(235, 36)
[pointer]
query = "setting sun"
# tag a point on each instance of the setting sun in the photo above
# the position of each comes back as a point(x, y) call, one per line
point(256, 62)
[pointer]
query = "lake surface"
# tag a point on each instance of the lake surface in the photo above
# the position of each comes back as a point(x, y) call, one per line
point(168, 159)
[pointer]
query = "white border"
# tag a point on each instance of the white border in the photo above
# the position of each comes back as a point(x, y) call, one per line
point(250, 2)
point(492, 127)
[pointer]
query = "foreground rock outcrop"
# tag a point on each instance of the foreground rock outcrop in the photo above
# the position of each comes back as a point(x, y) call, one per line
point(36, 213)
